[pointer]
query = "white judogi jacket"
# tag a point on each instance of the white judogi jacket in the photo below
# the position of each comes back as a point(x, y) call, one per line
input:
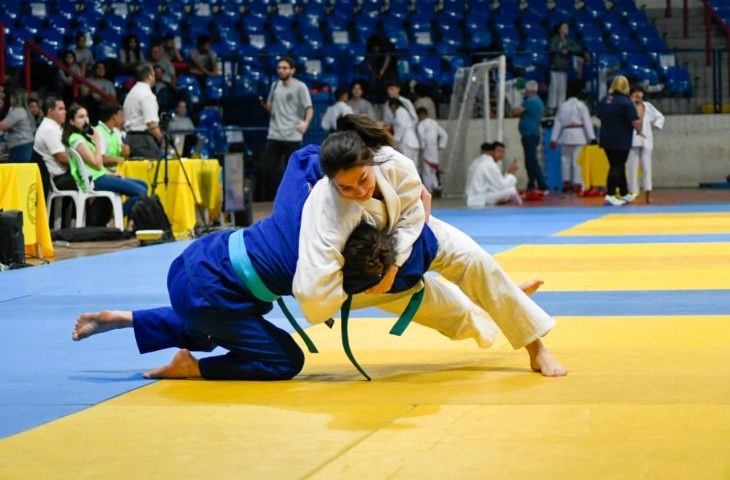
point(484, 178)
point(432, 137)
point(573, 125)
point(329, 120)
point(652, 118)
point(328, 219)
point(404, 130)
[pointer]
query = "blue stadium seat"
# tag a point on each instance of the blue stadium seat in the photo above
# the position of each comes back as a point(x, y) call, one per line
point(191, 84)
point(214, 87)
point(479, 39)
point(678, 82)
point(399, 38)
point(312, 37)
point(105, 51)
point(116, 23)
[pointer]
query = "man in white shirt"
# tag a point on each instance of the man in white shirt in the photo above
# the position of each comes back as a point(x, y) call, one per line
point(394, 92)
point(141, 119)
point(340, 108)
point(485, 183)
point(49, 151)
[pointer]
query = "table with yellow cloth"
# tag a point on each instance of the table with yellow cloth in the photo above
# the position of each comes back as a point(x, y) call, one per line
point(21, 188)
point(594, 166)
point(177, 198)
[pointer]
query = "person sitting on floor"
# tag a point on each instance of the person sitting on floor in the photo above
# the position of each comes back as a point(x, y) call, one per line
point(486, 185)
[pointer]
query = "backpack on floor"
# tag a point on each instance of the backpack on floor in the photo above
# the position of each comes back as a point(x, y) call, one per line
point(148, 214)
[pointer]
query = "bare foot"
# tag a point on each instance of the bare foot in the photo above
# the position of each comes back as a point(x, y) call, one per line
point(531, 286)
point(89, 324)
point(183, 365)
point(541, 360)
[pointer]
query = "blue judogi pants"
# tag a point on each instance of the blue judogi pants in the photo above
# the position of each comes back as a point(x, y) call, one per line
point(257, 349)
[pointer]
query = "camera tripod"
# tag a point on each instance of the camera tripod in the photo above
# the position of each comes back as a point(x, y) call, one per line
point(168, 142)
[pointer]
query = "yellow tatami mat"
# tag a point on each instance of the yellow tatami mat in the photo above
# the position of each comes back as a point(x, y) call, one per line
point(642, 400)
point(642, 266)
point(653, 224)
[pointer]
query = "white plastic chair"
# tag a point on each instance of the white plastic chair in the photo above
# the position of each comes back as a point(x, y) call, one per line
point(83, 196)
point(57, 215)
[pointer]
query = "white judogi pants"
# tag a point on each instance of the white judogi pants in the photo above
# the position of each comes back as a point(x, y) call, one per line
point(503, 196)
point(639, 156)
point(569, 158)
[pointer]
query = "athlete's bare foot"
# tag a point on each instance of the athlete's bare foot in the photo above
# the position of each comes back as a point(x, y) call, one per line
point(531, 286)
point(183, 365)
point(89, 324)
point(541, 360)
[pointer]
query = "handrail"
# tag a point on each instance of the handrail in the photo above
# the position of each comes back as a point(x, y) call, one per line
point(710, 13)
point(30, 46)
point(2, 52)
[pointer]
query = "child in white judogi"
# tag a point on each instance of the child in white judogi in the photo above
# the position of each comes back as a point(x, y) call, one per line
point(642, 145)
point(432, 138)
point(335, 111)
point(572, 130)
point(404, 129)
point(486, 185)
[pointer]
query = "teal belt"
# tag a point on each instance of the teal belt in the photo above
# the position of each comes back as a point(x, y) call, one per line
point(247, 274)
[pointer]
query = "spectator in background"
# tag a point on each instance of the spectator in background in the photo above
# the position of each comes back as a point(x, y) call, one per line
point(35, 110)
point(380, 64)
point(203, 59)
point(49, 152)
point(358, 104)
point(572, 130)
point(66, 80)
point(163, 89)
point(157, 57)
point(404, 130)
point(141, 116)
point(335, 111)
point(424, 100)
point(618, 122)
point(130, 55)
point(642, 145)
point(98, 78)
point(561, 50)
point(290, 107)
point(432, 137)
point(111, 122)
point(84, 57)
point(531, 112)
point(394, 93)
point(170, 49)
point(20, 127)
point(486, 185)
point(182, 123)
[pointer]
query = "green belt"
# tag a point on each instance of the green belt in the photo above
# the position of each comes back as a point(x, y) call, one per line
point(247, 274)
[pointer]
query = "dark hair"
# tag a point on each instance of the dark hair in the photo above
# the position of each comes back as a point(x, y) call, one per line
point(342, 151)
point(497, 144)
point(168, 36)
point(371, 132)
point(636, 88)
point(107, 110)
point(50, 103)
point(340, 91)
point(368, 252)
point(288, 60)
point(395, 102)
point(202, 40)
point(137, 50)
point(421, 111)
point(486, 147)
point(574, 89)
point(69, 129)
point(142, 72)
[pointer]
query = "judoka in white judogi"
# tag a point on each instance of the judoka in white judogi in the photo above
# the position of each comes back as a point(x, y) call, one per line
point(572, 130)
point(486, 185)
point(335, 111)
point(432, 137)
point(642, 145)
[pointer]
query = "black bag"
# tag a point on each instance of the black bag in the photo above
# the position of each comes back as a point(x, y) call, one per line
point(148, 214)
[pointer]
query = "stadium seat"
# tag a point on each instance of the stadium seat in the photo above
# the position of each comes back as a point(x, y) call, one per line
point(105, 51)
point(312, 38)
point(191, 84)
point(214, 87)
point(678, 82)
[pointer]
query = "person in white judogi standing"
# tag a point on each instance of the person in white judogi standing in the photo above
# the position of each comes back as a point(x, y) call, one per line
point(432, 137)
point(486, 185)
point(404, 129)
point(335, 111)
point(642, 145)
point(572, 130)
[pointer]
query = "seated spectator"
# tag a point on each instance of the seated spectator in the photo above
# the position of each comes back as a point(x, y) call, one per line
point(181, 123)
point(48, 148)
point(35, 110)
point(424, 100)
point(20, 127)
point(157, 57)
point(203, 59)
point(485, 183)
point(358, 104)
point(111, 123)
point(84, 57)
point(163, 89)
point(79, 135)
point(98, 78)
point(404, 129)
point(335, 111)
point(130, 55)
point(170, 49)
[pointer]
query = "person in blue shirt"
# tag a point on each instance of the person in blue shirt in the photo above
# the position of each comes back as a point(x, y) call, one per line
point(619, 119)
point(531, 112)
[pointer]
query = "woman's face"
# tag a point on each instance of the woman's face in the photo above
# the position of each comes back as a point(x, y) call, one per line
point(356, 91)
point(80, 118)
point(356, 183)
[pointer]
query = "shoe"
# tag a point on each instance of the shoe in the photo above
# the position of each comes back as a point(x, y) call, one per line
point(567, 187)
point(629, 197)
point(612, 200)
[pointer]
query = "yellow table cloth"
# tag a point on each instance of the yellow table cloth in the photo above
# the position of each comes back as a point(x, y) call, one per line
point(178, 199)
point(21, 188)
point(594, 166)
